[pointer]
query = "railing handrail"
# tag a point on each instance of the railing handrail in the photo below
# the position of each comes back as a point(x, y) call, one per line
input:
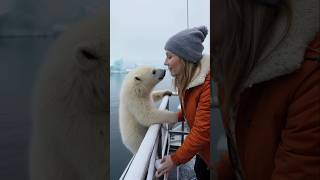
point(140, 162)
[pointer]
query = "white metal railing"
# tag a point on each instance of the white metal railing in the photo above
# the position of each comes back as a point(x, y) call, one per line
point(151, 169)
point(143, 161)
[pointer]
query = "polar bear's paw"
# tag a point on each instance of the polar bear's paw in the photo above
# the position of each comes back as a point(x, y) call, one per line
point(157, 95)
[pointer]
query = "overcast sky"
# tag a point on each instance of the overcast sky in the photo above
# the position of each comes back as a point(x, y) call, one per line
point(140, 28)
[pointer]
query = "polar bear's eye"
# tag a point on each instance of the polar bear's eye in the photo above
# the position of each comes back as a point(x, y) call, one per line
point(137, 78)
point(88, 55)
point(154, 72)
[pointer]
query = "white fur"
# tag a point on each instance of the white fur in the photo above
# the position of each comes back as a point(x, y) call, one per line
point(201, 72)
point(288, 56)
point(281, 58)
point(137, 110)
point(70, 134)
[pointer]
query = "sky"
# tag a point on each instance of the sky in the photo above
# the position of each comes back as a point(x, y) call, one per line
point(140, 28)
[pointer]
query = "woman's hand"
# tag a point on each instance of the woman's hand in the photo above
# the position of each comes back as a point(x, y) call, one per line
point(166, 165)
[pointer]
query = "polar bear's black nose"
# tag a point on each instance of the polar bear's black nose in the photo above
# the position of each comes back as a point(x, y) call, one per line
point(163, 73)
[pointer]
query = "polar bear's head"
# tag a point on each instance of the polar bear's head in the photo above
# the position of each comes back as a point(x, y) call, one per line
point(74, 75)
point(143, 79)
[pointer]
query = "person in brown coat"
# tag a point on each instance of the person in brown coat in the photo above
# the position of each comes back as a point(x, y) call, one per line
point(191, 70)
point(267, 67)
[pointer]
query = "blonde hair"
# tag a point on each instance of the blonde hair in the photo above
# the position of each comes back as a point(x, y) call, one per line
point(183, 79)
point(249, 26)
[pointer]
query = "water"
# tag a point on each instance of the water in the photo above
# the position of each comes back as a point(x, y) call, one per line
point(119, 155)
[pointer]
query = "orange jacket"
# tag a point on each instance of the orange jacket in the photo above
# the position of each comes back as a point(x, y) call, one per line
point(277, 126)
point(197, 113)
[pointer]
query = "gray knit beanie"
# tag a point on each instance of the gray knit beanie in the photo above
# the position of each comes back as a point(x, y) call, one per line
point(187, 44)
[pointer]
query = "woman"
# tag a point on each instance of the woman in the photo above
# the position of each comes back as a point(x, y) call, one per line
point(266, 65)
point(190, 68)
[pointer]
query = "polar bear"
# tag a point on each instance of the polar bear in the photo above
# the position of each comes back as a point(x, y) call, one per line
point(69, 111)
point(137, 110)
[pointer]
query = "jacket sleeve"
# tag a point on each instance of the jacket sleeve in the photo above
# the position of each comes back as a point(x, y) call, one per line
point(199, 135)
point(180, 116)
point(298, 154)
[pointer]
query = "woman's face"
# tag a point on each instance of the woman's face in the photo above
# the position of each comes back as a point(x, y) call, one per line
point(174, 63)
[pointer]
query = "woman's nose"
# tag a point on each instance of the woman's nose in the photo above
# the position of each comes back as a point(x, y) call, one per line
point(166, 62)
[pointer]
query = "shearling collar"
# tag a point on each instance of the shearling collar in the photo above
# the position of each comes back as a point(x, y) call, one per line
point(201, 75)
point(288, 56)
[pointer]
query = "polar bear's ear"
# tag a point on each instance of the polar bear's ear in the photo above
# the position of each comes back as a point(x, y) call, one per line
point(86, 55)
point(137, 78)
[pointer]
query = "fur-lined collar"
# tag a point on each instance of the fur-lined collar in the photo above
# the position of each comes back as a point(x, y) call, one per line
point(204, 70)
point(288, 56)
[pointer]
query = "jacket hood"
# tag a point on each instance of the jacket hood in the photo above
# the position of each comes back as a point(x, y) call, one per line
point(288, 56)
point(201, 72)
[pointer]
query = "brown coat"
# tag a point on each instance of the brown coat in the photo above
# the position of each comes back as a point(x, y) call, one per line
point(197, 113)
point(277, 126)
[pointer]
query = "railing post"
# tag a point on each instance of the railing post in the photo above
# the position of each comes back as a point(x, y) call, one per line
point(182, 135)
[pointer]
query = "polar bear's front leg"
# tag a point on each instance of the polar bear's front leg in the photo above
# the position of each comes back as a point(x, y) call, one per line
point(155, 116)
point(163, 116)
point(157, 95)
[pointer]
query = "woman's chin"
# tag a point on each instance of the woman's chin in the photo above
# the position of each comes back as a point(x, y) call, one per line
point(172, 74)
